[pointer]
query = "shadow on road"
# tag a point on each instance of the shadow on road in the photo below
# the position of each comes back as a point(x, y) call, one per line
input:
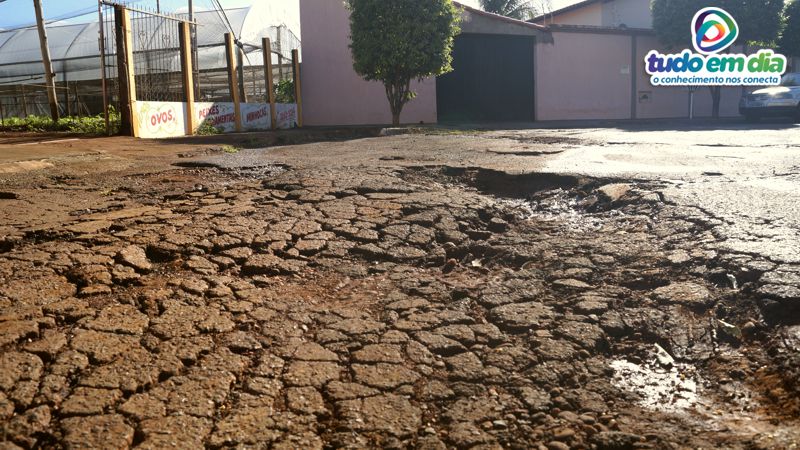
point(736, 123)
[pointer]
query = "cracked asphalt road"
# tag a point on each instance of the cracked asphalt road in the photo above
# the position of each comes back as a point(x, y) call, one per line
point(745, 176)
point(518, 289)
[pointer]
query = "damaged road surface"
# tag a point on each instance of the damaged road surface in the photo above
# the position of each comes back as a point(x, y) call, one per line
point(398, 292)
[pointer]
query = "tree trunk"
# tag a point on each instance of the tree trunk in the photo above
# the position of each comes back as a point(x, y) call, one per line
point(716, 96)
point(398, 94)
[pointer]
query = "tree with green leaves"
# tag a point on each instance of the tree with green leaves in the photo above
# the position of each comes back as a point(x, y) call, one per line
point(789, 42)
point(759, 22)
point(516, 9)
point(397, 41)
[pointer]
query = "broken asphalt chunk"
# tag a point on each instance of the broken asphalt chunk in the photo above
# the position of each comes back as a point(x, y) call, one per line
point(134, 256)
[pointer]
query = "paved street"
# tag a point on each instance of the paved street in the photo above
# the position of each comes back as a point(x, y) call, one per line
point(747, 178)
point(552, 289)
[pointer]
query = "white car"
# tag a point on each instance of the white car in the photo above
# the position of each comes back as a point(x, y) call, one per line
point(776, 101)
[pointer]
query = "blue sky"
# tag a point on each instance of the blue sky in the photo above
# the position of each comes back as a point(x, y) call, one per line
point(14, 13)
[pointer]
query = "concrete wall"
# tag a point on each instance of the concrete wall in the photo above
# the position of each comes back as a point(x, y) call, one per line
point(674, 101)
point(631, 13)
point(582, 76)
point(590, 76)
point(656, 102)
point(479, 22)
point(579, 75)
point(591, 15)
point(333, 94)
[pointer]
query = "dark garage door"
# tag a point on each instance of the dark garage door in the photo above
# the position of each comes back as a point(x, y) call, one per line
point(492, 80)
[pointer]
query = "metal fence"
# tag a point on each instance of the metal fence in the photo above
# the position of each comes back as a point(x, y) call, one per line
point(86, 65)
point(109, 77)
point(157, 59)
point(156, 52)
point(213, 82)
point(23, 100)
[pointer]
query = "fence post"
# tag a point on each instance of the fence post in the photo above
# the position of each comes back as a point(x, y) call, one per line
point(49, 75)
point(24, 100)
point(103, 82)
point(185, 32)
point(242, 74)
point(66, 93)
point(127, 80)
point(233, 81)
point(280, 54)
point(78, 103)
point(298, 91)
point(266, 48)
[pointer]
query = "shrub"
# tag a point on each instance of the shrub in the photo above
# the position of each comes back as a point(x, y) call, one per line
point(92, 125)
point(206, 129)
point(284, 91)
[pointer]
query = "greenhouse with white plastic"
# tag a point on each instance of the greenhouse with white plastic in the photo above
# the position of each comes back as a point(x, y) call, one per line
point(84, 58)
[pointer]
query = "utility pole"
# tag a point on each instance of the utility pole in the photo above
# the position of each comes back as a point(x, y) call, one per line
point(48, 64)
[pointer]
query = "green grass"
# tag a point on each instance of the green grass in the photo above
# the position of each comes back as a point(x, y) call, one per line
point(206, 129)
point(95, 125)
point(230, 149)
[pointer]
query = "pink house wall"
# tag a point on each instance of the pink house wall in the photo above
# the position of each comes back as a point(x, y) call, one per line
point(631, 13)
point(580, 76)
point(673, 102)
point(664, 101)
point(333, 94)
point(588, 76)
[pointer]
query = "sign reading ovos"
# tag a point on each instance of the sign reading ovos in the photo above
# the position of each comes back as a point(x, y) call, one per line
point(161, 119)
point(714, 30)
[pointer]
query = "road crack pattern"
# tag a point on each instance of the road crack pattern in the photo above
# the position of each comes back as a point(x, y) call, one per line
point(276, 307)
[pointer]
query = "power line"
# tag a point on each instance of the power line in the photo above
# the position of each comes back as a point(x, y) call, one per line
point(221, 12)
point(66, 16)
